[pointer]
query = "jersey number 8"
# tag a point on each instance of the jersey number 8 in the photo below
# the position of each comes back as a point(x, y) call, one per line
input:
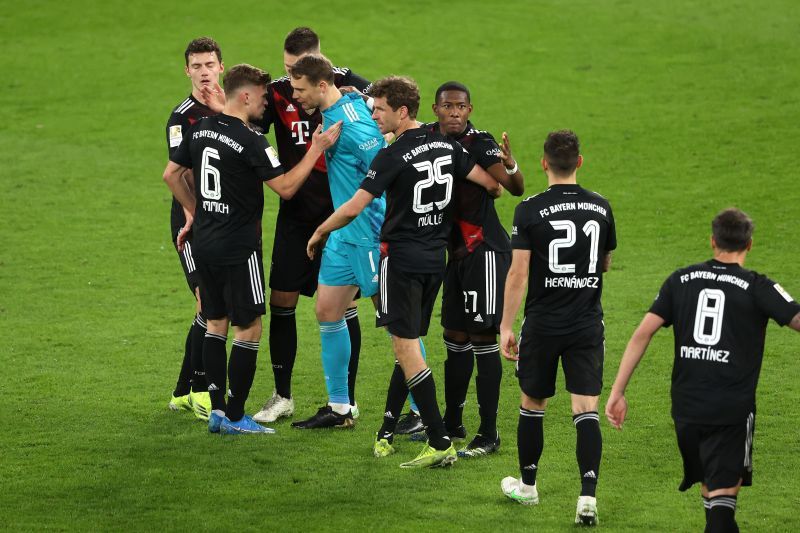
point(708, 317)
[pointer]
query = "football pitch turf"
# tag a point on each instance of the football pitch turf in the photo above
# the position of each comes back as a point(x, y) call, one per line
point(683, 108)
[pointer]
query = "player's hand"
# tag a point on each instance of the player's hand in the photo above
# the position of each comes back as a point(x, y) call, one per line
point(314, 243)
point(213, 97)
point(616, 409)
point(183, 234)
point(508, 345)
point(345, 89)
point(505, 153)
point(325, 139)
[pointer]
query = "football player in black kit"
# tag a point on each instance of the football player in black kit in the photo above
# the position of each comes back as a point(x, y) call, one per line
point(203, 67)
point(417, 173)
point(479, 256)
point(230, 162)
point(292, 273)
point(719, 312)
point(562, 240)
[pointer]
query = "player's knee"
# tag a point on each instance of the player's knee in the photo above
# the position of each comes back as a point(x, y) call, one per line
point(534, 404)
point(251, 332)
point(456, 336)
point(584, 404)
point(283, 299)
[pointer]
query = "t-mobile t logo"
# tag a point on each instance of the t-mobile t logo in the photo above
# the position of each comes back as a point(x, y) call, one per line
point(300, 131)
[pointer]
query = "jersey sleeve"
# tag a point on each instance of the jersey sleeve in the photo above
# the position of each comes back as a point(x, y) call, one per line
point(264, 159)
point(662, 305)
point(351, 78)
point(463, 162)
point(774, 301)
point(181, 154)
point(486, 151)
point(520, 236)
point(381, 174)
point(176, 129)
point(611, 239)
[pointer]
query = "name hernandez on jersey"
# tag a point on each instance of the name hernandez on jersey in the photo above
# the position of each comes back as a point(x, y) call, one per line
point(568, 231)
point(417, 172)
point(476, 220)
point(293, 127)
point(719, 312)
point(230, 162)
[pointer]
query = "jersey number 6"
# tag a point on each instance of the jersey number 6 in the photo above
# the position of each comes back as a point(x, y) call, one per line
point(208, 174)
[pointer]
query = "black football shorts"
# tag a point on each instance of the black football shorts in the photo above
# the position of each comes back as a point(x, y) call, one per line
point(472, 298)
point(581, 353)
point(718, 456)
point(233, 291)
point(291, 269)
point(405, 300)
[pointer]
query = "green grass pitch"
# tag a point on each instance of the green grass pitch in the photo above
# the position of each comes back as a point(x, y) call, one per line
point(683, 108)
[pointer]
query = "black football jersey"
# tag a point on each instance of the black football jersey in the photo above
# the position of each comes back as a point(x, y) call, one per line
point(568, 230)
point(719, 313)
point(293, 128)
point(180, 120)
point(418, 172)
point(230, 162)
point(476, 220)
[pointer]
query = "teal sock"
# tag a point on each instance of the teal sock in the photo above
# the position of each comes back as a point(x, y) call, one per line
point(335, 341)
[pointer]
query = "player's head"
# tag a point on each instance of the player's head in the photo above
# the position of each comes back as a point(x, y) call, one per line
point(562, 154)
point(246, 87)
point(396, 99)
point(299, 42)
point(452, 107)
point(203, 62)
point(732, 231)
point(311, 77)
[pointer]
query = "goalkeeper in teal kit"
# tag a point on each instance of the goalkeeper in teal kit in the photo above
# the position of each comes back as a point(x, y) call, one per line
point(351, 256)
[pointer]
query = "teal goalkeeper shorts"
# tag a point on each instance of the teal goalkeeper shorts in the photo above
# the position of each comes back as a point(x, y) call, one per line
point(348, 264)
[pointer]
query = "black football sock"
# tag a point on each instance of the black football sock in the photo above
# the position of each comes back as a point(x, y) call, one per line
point(423, 388)
point(214, 360)
point(457, 373)
point(395, 399)
point(282, 347)
point(588, 450)
point(706, 505)
point(354, 329)
point(721, 517)
point(199, 383)
point(184, 383)
point(241, 371)
point(530, 443)
point(487, 385)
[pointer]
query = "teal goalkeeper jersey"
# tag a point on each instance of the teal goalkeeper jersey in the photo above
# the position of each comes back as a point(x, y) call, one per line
point(348, 162)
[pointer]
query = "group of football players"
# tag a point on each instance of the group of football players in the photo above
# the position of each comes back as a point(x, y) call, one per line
point(376, 204)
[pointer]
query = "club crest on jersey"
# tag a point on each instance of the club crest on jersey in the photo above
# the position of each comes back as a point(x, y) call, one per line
point(273, 157)
point(175, 135)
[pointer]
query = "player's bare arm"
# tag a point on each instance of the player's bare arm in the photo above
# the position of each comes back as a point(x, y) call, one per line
point(286, 185)
point(174, 178)
point(795, 322)
point(480, 177)
point(516, 284)
point(607, 262)
point(339, 219)
point(617, 405)
point(513, 183)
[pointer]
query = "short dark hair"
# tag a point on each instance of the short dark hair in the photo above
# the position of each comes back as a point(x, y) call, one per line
point(399, 91)
point(201, 45)
point(242, 75)
point(316, 67)
point(451, 86)
point(732, 229)
point(561, 151)
point(301, 40)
